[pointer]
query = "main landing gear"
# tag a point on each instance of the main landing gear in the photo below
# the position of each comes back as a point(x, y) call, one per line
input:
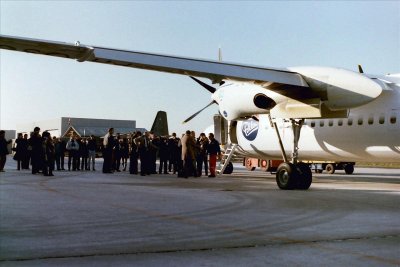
point(293, 175)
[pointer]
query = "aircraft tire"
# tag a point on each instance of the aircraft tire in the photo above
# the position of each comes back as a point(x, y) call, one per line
point(349, 168)
point(229, 168)
point(304, 176)
point(286, 176)
point(330, 168)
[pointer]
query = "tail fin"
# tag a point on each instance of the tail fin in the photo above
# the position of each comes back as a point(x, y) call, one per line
point(160, 124)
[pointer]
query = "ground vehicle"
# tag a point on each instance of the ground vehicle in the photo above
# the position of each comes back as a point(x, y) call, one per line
point(318, 166)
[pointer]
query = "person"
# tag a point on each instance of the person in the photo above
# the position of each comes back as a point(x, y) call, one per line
point(57, 150)
point(91, 146)
point(3, 149)
point(213, 151)
point(108, 149)
point(143, 143)
point(73, 149)
point(163, 154)
point(174, 153)
point(84, 153)
point(152, 155)
point(21, 151)
point(202, 143)
point(37, 153)
point(124, 152)
point(49, 154)
point(118, 154)
point(134, 154)
point(59, 146)
point(26, 159)
point(188, 154)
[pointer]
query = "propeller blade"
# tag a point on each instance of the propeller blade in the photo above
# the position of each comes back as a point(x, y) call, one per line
point(197, 113)
point(208, 87)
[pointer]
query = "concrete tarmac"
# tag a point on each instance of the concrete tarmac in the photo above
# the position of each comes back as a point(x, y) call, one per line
point(88, 218)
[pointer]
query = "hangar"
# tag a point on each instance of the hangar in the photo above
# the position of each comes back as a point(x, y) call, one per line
point(61, 127)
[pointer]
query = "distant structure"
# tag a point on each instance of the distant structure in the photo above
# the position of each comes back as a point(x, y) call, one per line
point(10, 134)
point(62, 127)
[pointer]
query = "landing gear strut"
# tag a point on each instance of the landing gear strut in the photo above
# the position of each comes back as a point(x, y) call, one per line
point(293, 175)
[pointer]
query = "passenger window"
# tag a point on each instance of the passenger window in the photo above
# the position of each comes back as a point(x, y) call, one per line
point(340, 122)
point(382, 119)
point(330, 123)
point(371, 120)
point(313, 124)
point(393, 119)
point(360, 121)
point(350, 121)
point(321, 123)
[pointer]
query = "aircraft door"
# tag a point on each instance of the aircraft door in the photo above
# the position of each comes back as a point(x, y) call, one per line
point(220, 129)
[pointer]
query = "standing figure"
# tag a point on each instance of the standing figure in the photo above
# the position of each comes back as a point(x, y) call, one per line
point(3, 149)
point(153, 148)
point(37, 153)
point(21, 151)
point(143, 143)
point(202, 143)
point(134, 155)
point(163, 154)
point(73, 149)
point(26, 159)
point(84, 153)
point(91, 146)
point(49, 154)
point(118, 154)
point(213, 151)
point(174, 153)
point(188, 154)
point(59, 147)
point(124, 153)
point(108, 149)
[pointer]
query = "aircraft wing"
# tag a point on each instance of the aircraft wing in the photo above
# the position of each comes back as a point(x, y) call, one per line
point(213, 70)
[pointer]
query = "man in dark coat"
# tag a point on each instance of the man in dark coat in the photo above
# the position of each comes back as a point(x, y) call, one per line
point(37, 153)
point(3, 150)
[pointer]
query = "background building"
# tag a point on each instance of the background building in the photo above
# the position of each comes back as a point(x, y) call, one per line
point(81, 126)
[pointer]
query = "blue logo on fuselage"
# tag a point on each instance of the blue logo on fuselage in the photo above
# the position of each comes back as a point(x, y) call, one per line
point(250, 129)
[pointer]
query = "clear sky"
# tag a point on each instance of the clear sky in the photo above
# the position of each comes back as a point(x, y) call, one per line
point(275, 34)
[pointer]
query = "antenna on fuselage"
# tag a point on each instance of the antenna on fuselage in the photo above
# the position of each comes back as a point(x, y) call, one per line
point(360, 69)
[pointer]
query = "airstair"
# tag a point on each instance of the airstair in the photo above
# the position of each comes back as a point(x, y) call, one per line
point(226, 158)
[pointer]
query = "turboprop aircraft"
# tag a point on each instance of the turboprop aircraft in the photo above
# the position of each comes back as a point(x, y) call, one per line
point(349, 114)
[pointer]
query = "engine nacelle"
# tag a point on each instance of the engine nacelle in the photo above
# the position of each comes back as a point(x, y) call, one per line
point(242, 100)
point(339, 88)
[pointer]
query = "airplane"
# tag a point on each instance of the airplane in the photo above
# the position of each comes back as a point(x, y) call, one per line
point(347, 115)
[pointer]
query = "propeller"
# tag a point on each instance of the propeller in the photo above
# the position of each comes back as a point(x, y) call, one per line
point(210, 89)
point(197, 113)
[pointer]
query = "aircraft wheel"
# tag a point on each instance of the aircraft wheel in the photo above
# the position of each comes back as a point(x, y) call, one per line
point(330, 168)
point(229, 168)
point(349, 168)
point(304, 176)
point(286, 176)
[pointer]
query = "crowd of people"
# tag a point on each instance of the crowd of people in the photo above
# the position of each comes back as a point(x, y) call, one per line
point(186, 156)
